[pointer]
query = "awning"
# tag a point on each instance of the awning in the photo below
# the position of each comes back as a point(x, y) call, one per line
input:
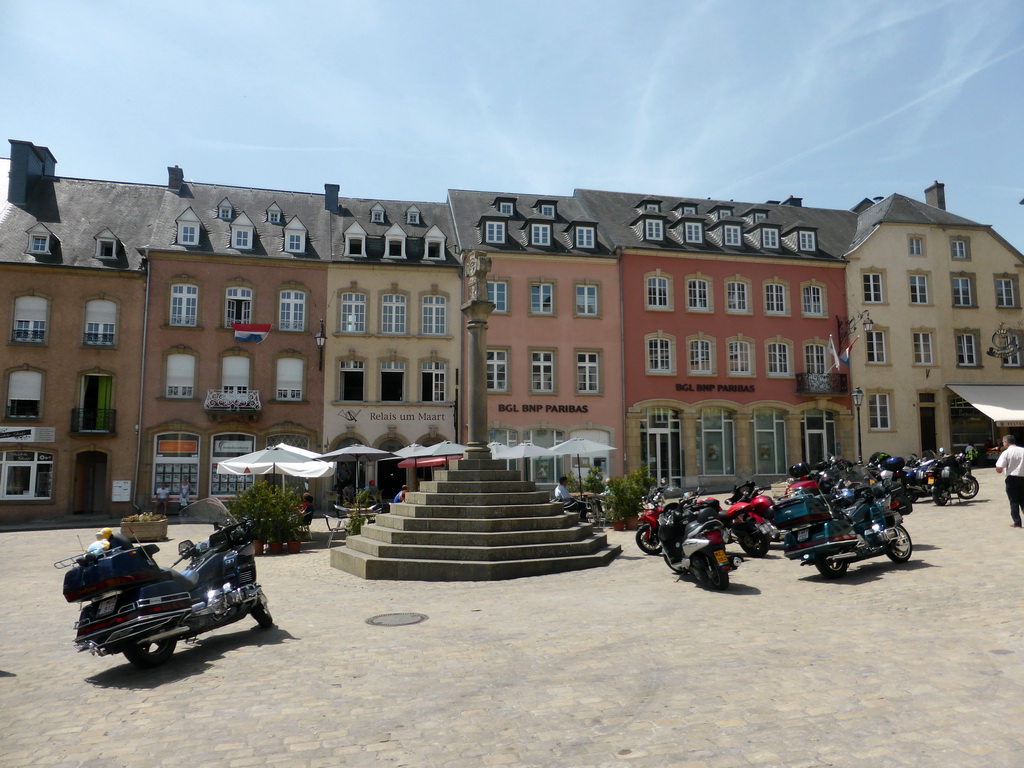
point(1003, 403)
point(427, 461)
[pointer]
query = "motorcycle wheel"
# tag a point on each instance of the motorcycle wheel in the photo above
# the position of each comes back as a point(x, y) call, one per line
point(262, 616)
point(755, 544)
point(832, 569)
point(148, 655)
point(941, 496)
point(914, 496)
point(969, 488)
point(710, 573)
point(647, 541)
point(900, 548)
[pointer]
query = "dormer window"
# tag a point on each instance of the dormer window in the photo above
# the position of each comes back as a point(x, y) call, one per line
point(39, 240)
point(652, 207)
point(295, 236)
point(242, 233)
point(808, 241)
point(434, 242)
point(653, 229)
point(355, 241)
point(412, 216)
point(770, 238)
point(540, 234)
point(506, 208)
point(274, 214)
point(225, 210)
point(547, 210)
point(585, 237)
point(106, 245)
point(188, 228)
point(733, 236)
point(694, 232)
point(494, 232)
point(689, 210)
point(395, 243)
point(759, 216)
point(377, 214)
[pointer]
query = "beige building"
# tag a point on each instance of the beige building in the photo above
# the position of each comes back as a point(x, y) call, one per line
point(938, 288)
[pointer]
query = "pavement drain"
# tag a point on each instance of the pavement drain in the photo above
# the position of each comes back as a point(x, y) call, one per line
point(396, 619)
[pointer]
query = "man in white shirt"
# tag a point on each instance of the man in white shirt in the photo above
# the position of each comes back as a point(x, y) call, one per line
point(1011, 464)
point(569, 502)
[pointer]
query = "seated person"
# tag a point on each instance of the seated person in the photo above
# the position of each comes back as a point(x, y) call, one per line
point(306, 510)
point(569, 502)
point(400, 496)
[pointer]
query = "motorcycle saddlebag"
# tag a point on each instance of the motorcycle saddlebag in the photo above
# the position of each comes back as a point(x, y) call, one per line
point(826, 538)
point(117, 571)
point(798, 510)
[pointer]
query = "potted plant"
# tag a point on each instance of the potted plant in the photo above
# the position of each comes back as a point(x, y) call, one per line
point(273, 512)
point(356, 519)
point(144, 527)
point(626, 496)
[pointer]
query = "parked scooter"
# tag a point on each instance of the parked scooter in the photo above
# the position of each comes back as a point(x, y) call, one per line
point(133, 606)
point(693, 540)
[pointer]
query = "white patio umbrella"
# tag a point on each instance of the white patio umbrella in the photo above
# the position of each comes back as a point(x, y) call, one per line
point(357, 453)
point(524, 450)
point(578, 447)
point(283, 459)
point(415, 451)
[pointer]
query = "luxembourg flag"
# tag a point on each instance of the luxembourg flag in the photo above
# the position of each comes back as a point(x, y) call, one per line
point(845, 357)
point(251, 331)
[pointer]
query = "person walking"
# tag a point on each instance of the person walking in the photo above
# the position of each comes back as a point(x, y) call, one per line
point(1011, 464)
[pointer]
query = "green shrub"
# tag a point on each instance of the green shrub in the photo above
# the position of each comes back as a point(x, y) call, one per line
point(626, 494)
point(273, 510)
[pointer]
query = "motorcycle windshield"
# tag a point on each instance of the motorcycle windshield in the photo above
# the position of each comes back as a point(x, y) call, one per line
point(210, 510)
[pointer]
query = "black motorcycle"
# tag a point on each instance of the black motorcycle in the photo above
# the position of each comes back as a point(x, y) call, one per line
point(133, 606)
point(953, 475)
point(693, 539)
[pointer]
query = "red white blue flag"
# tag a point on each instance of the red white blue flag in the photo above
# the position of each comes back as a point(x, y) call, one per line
point(251, 331)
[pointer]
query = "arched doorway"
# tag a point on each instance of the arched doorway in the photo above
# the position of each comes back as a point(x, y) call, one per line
point(90, 489)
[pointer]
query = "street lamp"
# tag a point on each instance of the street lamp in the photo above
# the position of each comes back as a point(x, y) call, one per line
point(844, 328)
point(858, 399)
point(321, 339)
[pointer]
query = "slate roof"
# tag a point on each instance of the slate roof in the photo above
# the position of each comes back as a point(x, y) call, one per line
point(353, 210)
point(899, 209)
point(471, 208)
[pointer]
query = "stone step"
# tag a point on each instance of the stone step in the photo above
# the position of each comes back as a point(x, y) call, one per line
point(476, 525)
point(476, 510)
point(461, 485)
point(444, 539)
point(475, 475)
point(476, 497)
point(368, 567)
point(421, 551)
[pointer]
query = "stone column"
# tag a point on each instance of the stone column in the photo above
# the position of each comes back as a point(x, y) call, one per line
point(476, 309)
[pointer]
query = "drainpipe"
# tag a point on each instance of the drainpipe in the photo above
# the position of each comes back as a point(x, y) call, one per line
point(622, 367)
point(142, 385)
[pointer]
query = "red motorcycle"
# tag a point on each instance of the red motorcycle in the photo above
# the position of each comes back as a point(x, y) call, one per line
point(660, 499)
point(749, 518)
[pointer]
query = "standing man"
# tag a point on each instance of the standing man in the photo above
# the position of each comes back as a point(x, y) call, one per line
point(1011, 463)
point(162, 494)
point(184, 494)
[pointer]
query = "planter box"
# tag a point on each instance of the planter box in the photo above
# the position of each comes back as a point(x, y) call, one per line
point(153, 530)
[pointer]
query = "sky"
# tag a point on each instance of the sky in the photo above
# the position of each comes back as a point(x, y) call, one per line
point(747, 100)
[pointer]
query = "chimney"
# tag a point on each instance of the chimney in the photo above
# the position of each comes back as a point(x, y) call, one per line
point(935, 195)
point(175, 178)
point(796, 202)
point(331, 197)
point(29, 163)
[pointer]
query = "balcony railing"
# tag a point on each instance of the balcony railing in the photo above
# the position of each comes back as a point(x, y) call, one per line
point(27, 336)
point(99, 339)
point(102, 420)
point(222, 400)
point(822, 384)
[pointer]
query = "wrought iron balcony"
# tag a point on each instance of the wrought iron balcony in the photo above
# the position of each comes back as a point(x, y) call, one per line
point(223, 401)
point(822, 384)
point(99, 339)
point(101, 420)
point(28, 336)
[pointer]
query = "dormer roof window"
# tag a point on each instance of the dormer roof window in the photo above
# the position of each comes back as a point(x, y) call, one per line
point(225, 210)
point(434, 244)
point(506, 206)
point(39, 240)
point(770, 238)
point(733, 236)
point(355, 241)
point(540, 235)
point(394, 240)
point(693, 232)
point(106, 245)
point(721, 212)
point(807, 240)
point(188, 228)
point(585, 236)
point(295, 236)
point(274, 214)
point(243, 233)
point(412, 216)
point(546, 208)
point(654, 229)
point(377, 214)
point(649, 204)
point(494, 232)
point(689, 210)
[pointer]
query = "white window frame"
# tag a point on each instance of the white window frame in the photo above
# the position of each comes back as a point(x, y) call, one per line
point(919, 292)
point(698, 295)
point(659, 292)
point(923, 348)
point(1006, 293)
point(779, 357)
point(813, 300)
point(660, 359)
point(434, 316)
point(542, 371)
point(875, 347)
point(815, 360)
point(24, 387)
point(959, 250)
point(775, 299)
point(808, 241)
point(962, 292)
point(587, 300)
point(239, 297)
point(740, 356)
point(588, 373)
point(967, 350)
point(30, 319)
point(291, 312)
point(540, 235)
point(396, 367)
point(100, 323)
point(878, 412)
point(585, 237)
point(505, 208)
point(547, 209)
point(353, 312)
point(497, 294)
point(770, 238)
point(103, 244)
point(542, 298)
point(494, 232)
point(871, 288)
point(242, 238)
point(737, 297)
point(693, 232)
point(353, 367)
point(351, 240)
point(180, 376)
point(732, 236)
point(700, 357)
point(915, 246)
point(433, 382)
point(412, 216)
point(654, 229)
point(497, 370)
point(393, 314)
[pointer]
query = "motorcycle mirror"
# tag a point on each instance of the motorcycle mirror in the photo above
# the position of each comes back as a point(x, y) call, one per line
point(185, 547)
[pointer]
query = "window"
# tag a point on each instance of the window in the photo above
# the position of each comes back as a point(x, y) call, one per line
point(495, 232)
point(875, 343)
point(1013, 360)
point(188, 228)
point(963, 295)
point(180, 376)
point(238, 306)
point(24, 395)
point(392, 317)
point(396, 246)
point(435, 315)
point(39, 243)
point(872, 283)
point(542, 371)
point(689, 210)
point(1006, 292)
point(915, 247)
point(586, 301)
point(412, 216)
point(700, 357)
point(432, 383)
point(652, 206)
point(224, 210)
point(106, 248)
point(653, 229)
point(353, 313)
point(814, 358)
point(497, 370)
point(292, 311)
point(377, 214)
point(737, 297)
point(289, 378)
point(918, 289)
point(813, 301)
point(959, 249)
point(100, 322)
point(294, 236)
point(693, 232)
point(30, 319)
point(878, 411)
point(923, 348)
point(740, 362)
point(506, 208)
point(540, 234)
point(547, 210)
point(585, 237)
point(698, 295)
point(587, 373)
point(351, 380)
point(26, 475)
point(775, 299)
point(175, 460)
point(733, 236)
point(497, 294)
point(966, 350)
point(808, 242)
point(542, 299)
point(274, 214)
point(659, 355)
point(234, 375)
point(243, 238)
point(658, 293)
point(184, 304)
point(227, 446)
point(760, 217)
point(778, 359)
point(392, 381)
point(435, 249)
point(770, 238)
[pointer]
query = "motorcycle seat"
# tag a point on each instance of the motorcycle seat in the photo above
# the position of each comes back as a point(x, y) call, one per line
point(188, 581)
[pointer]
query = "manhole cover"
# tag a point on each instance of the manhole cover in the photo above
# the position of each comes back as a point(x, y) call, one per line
point(396, 619)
